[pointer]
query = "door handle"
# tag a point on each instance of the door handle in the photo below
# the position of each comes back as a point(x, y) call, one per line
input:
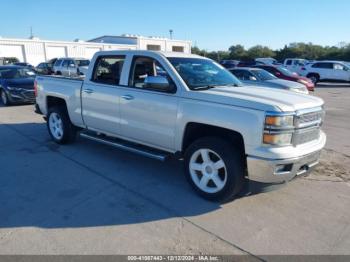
point(128, 97)
point(88, 91)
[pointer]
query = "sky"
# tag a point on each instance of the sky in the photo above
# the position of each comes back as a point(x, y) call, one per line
point(209, 24)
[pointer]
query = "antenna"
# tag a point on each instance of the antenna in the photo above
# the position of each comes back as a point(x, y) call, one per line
point(171, 33)
point(31, 32)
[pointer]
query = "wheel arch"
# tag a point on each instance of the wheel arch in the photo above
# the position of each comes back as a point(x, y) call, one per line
point(313, 73)
point(194, 130)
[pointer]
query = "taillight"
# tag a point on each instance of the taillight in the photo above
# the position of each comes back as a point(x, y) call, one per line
point(35, 88)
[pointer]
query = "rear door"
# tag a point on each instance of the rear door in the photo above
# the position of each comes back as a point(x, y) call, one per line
point(101, 95)
point(324, 69)
point(148, 116)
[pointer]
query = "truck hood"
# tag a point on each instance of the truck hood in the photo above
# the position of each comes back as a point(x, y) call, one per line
point(259, 98)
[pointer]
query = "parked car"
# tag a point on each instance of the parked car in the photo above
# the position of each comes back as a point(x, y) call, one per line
point(8, 60)
point(295, 64)
point(16, 85)
point(267, 61)
point(284, 73)
point(327, 71)
point(229, 63)
point(71, 67)
point(249, 63)
point(44, 69)
point(262, 78)
point(198, 111)
point(23, 64)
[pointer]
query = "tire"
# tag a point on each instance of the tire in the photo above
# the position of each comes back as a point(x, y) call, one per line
point(212, 158)
point(58, 73)
point(60, 128)
point(315, 78)
point(4, 98)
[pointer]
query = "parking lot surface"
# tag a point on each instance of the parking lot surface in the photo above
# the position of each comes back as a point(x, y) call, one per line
point(88, 198)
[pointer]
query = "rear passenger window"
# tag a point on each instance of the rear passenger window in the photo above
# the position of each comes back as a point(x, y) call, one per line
point(289, 62)
point(108, 70)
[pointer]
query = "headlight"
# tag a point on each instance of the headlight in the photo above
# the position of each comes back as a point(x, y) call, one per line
point(282, 139)
point(278, 129)
point(279, 121)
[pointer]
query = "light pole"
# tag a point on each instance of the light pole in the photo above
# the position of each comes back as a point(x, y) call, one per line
point(171, 33)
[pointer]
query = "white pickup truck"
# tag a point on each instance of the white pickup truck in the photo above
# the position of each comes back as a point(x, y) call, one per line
point(189, 107)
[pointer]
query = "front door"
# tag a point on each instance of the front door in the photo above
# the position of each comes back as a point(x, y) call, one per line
point(341, 72)
point(148, 116)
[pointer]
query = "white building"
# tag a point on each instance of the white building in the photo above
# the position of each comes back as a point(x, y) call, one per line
point(147, 43)
point(35, 50)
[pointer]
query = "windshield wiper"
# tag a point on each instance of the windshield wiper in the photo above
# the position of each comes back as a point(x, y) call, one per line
point(197, 88)
point(212, 86)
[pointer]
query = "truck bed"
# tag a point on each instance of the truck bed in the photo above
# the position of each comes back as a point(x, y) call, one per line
point(68, 89)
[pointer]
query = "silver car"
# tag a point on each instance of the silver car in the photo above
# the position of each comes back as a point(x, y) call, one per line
point(71, 67)
point(260, 77)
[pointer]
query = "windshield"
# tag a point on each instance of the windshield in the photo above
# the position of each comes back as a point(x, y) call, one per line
point(286, 72)
point(83, 62)
point(15, 73)
point(198, 72)
point(263, 75)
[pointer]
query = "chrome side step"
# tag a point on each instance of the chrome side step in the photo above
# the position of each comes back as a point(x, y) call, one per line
point(127, 146)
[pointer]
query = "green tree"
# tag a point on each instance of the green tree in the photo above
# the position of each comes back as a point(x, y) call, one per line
point(259, 51)
point(237, 52)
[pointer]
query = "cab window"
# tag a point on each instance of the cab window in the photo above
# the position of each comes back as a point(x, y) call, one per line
point(65, 63)
point(143, 67)
point(108, 70)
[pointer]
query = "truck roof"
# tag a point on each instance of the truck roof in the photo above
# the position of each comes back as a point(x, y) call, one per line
point(147, 52)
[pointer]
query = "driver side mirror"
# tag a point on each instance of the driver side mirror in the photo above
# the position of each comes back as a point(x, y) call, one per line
point(160, 83)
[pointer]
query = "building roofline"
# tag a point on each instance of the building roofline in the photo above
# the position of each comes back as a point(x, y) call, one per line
point(62, 42)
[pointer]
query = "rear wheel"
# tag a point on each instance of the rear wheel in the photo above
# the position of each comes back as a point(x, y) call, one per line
point(4, 99)
point(314, 78)
point(214, 168)
point(60, 128)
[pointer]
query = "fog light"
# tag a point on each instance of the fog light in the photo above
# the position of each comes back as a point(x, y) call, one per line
point(283, 168)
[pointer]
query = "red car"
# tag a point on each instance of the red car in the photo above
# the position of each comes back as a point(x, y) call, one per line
point(284, 73)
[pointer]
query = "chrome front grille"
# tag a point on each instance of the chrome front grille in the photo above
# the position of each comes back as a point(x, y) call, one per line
point(309, 119)
point(304, 136)
point(308, 124)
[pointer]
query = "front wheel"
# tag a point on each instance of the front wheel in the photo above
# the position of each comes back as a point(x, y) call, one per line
point(214, 168)
point(4, 99)
point(60, 128)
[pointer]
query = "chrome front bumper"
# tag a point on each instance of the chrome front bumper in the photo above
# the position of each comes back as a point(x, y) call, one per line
point(280, 170)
